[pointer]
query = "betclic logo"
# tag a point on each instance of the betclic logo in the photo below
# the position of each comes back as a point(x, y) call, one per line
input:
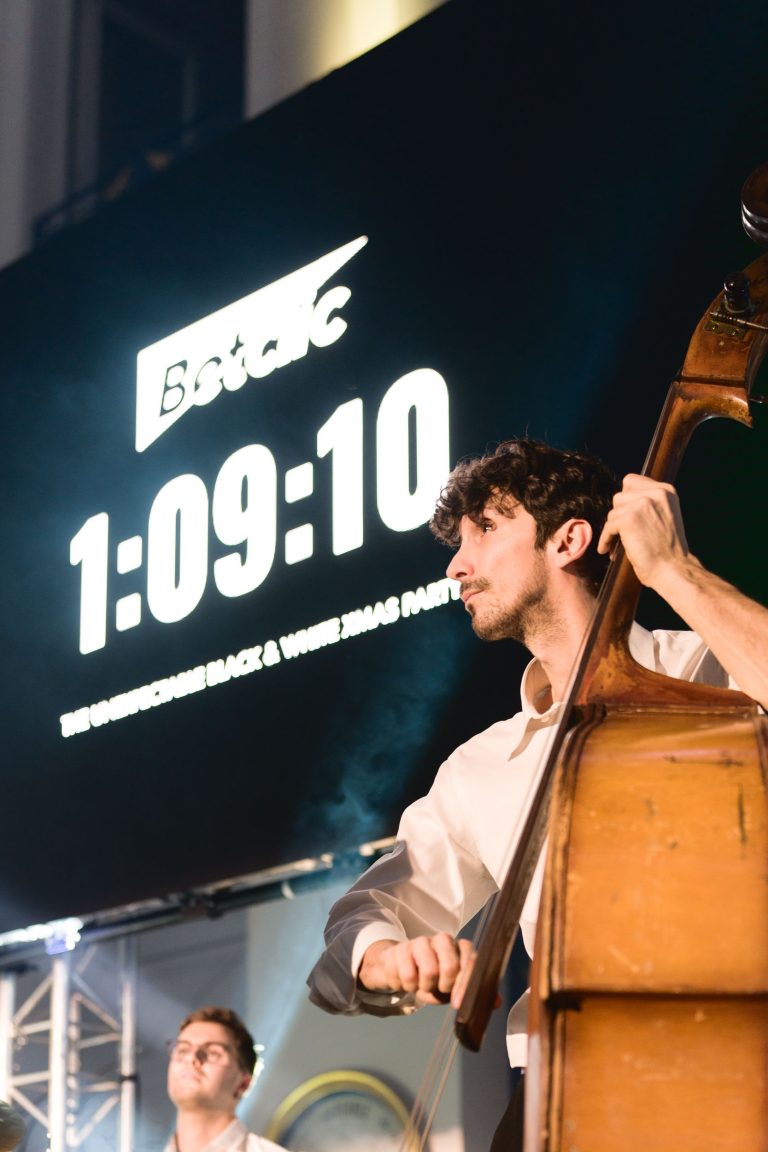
point(244, 341)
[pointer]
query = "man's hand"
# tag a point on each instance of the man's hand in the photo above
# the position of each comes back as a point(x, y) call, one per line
point(435, 968)
point(646, 517)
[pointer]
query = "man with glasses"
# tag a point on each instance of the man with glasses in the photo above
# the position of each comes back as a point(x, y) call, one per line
point(209, 1071)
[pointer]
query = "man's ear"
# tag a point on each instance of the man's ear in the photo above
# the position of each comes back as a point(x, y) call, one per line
point(243, 1085)
point(571, 541)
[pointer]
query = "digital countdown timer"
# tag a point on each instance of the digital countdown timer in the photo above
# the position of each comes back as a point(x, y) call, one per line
point(242, 510)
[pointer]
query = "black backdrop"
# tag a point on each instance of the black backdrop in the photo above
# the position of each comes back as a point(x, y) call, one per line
point(551, 199)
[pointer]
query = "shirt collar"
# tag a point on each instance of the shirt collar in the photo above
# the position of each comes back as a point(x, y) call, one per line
point(230, 1140)
point(533, 686)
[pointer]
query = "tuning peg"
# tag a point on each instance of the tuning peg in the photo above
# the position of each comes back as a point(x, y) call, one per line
point(754, 206)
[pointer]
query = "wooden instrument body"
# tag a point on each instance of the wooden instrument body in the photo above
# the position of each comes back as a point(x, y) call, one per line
point(649, 1018)
point(649, 1022)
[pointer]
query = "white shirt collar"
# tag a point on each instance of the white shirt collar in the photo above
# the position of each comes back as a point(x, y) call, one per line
point(230, 1140)
point(533, 686)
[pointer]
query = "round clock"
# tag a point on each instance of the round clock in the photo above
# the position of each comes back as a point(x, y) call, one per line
point(343, 1111)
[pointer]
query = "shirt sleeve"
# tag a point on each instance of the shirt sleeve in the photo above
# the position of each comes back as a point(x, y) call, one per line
point(432, 881)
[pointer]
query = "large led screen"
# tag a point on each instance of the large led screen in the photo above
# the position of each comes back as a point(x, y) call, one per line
point(230, 398)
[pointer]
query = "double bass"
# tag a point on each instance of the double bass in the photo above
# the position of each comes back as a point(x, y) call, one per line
point(648, 1027)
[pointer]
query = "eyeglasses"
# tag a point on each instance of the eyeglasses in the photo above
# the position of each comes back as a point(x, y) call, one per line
point(212, 1052)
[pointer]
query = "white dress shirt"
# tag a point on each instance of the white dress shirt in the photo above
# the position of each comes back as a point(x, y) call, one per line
point(235, 1138)
point(454, 844)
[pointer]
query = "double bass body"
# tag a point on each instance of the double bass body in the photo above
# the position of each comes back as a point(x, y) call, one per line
point(650, 1021)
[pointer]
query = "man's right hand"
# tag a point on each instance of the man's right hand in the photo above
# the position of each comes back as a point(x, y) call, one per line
point(434, 968)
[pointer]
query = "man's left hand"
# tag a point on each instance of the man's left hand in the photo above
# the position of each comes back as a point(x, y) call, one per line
point(646, 518)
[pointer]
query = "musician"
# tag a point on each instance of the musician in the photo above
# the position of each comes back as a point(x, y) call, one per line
point(210, 1069)
point(533, 527)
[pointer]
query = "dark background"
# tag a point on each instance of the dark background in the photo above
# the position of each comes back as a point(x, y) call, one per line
point(552, 199)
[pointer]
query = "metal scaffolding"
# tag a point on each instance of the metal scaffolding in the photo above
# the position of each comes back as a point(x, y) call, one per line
point(68, 1050)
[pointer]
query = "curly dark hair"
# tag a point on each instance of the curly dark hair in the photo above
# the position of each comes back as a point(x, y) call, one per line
point(213, 1014)
point(551, 485)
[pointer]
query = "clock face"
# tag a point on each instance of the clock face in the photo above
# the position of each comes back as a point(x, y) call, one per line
point(343, 1111)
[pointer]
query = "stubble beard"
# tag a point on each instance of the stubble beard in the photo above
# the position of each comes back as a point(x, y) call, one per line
point(530, 615)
